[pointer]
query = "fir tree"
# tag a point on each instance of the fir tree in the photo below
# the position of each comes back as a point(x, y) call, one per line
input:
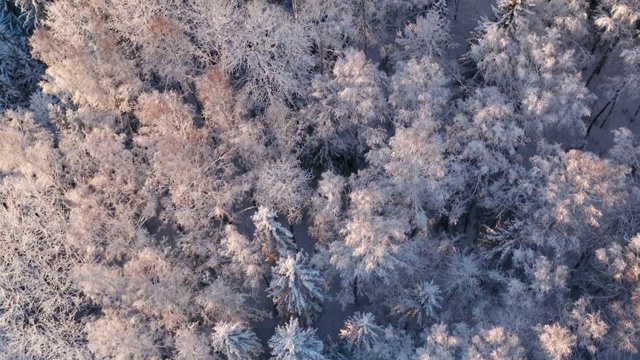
point(296, 287)
point(291, 342)
point(276, 239)
point(235, 341)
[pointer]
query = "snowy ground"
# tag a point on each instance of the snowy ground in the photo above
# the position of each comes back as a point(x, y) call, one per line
point(600, 138)
point(469, 13)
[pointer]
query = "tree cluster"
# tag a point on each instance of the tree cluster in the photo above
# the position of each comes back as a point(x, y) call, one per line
point(185, 172)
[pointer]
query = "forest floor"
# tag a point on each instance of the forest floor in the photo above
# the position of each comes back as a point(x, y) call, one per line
point(614, 113)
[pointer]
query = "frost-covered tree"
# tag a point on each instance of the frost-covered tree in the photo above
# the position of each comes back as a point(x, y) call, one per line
point(508, 54)
point(371, 17)
point(344, 109)
point(108, 203)
point(362, 334)
point(365, 339)
point(189, 173)
point(547, 277)
point(191, 344)
point(327, 206)
point(414, 161)
point(277, 241)
point(164, 48)
point(556, 341)
point(463, 276)
point(38, 301)
point(235, 341)
point(28, 148)
point(219, 301)
point(296, 288)
point(484, 138)
point(120, 337)
point(245, 258)
point(421, 303)
point(617, 21)
point(496, 343)
point(590, 326)
point(270, 52)
point(428, 36)
point(418, 90)
point(330, 25)
point(19, 72)
point(397, 344)
point(439, 344)
point(291, 342)
point(375, 249)
point(282, 186)
point(580, 189)
point(393, 344)
point(620, 266)
point(162, 289)
point(83, 57)
point(626, 149)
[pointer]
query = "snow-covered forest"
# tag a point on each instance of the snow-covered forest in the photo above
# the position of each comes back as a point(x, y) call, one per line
point(319, 179)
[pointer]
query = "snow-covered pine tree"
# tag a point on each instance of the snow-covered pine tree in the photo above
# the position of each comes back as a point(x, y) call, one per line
point(276, 239)
point(362, 334)
point(296, 288)
point(421, 303)
point(291, 342)
point(235, 341)
point(19, 72)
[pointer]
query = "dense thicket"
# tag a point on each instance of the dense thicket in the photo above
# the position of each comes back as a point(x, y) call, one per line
point(318, 179)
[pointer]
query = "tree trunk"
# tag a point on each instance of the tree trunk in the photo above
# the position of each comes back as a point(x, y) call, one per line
point(614, 100)
point(602, 61)
point(294, 5)
point(355, 290)
point(593, 121)
point(455, 10)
